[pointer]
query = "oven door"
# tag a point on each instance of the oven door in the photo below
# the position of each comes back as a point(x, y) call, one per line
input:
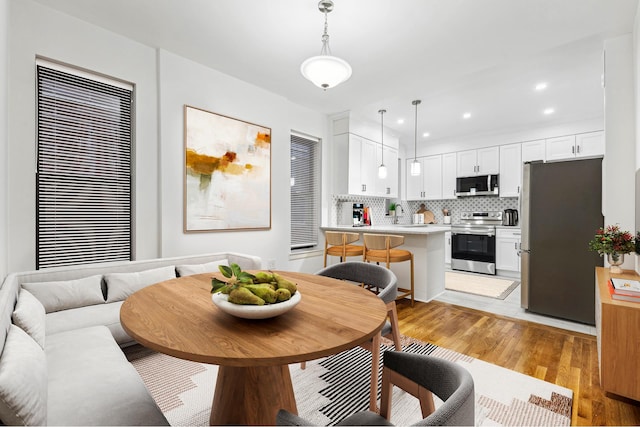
point(473, 249)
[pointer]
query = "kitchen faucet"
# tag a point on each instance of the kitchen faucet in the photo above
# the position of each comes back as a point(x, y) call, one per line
point(399, 210)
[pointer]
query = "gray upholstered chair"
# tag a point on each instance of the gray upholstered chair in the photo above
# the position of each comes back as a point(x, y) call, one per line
point(419, 375)
point(385, 282)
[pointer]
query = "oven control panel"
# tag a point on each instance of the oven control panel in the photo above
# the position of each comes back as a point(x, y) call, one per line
point(489, 217)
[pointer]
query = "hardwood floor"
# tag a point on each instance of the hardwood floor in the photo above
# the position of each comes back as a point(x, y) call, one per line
point(565, 358)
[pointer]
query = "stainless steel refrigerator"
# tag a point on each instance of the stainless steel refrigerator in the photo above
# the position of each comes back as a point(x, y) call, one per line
point(561, 210)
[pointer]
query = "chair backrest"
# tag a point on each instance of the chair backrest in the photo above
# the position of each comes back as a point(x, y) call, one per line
point(336, 238)
point(367, 273)
point(381, 241)
point(449, 381)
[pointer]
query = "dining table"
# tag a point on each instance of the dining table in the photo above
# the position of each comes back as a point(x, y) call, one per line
point(177, 317)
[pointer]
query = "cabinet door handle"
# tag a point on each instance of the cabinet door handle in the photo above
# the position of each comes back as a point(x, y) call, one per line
point(518, 189)
point(515, 245)
point(578, 149)
point(364, 187)
point(388, 190)
point(573, 150)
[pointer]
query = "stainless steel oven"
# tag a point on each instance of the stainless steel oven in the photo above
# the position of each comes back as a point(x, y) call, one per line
point(473, 242)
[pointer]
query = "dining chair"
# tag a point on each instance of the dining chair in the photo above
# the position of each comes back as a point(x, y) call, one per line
point(421, 376)
point(339, 244)
point(362, 273)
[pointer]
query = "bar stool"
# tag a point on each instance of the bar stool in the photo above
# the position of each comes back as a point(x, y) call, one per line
point(338, 244)
point(380, 248)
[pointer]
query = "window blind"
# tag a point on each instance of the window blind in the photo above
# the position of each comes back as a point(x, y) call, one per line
point(84, 143)
point(305, 191)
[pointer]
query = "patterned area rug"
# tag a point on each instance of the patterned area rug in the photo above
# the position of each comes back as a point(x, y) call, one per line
point(332, 388)
point(479, 285)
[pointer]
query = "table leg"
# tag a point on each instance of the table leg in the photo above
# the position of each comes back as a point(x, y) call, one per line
point(251, 395)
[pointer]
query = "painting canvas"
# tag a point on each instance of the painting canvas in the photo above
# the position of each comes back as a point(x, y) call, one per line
point(227, 173)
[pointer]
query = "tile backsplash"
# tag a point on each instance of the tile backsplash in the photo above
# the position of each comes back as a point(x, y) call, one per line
point(455, 206)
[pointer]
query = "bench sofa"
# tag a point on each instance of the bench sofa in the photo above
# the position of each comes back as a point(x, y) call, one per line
point(61, 361)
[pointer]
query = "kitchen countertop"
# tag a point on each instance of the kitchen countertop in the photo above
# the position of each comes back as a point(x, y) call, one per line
point(394, 228)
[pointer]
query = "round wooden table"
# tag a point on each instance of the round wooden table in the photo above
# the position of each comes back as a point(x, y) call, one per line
point(177, 317)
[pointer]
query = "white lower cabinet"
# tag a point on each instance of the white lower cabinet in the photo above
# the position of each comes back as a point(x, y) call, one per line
point(507, 249)
point(447, 247)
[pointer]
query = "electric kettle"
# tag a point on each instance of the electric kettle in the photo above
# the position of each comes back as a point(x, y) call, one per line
point(510, 217)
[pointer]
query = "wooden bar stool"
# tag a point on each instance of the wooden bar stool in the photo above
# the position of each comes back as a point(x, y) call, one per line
point(380, 248)
point(338, 244)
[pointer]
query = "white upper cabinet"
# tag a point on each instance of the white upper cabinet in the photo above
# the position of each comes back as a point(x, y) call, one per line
point(533, 150)
point(483, 161)
point(575, 146)
point(510, 170)
point(449, 176)
point(427, 185)
point(354, 169)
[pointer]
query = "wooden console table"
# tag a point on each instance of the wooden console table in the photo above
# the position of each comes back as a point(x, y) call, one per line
point(618, 332)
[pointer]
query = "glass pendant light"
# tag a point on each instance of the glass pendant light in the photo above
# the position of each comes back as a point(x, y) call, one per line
point(325, 70)
point(382, 169)
point(415, 165)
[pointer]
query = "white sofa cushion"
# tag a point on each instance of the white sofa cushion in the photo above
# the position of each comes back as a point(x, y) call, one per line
point(29, 315)
point(209, 267)
point(63, 295)
point(91, 383)
point(23, 380)
point(121, 285)
point(92, 315)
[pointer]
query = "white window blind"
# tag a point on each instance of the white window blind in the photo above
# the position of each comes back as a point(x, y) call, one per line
point(305, 191)
point(84, 132)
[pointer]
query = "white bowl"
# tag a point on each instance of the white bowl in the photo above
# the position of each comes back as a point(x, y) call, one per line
point(254, 311)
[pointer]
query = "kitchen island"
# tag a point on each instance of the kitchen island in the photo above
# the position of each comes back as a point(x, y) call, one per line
point(426, 241)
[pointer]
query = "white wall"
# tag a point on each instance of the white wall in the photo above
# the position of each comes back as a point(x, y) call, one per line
point(636, 80)
point(36, 30)
point(619, 164)
point(4, 81)
point(183, 81)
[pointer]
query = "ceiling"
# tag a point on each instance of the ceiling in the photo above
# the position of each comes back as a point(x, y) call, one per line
point(477, 56)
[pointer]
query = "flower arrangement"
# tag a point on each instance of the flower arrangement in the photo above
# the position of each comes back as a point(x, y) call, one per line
point(611, 240)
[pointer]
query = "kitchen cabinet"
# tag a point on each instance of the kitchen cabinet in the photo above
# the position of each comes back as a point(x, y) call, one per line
point(447, 247)
point(510, 170)
point(507, 249)
point(483, 161)
point(449, 176)
point(533, 150)
point(427, 185)
point(355, 167)
point(575, 146)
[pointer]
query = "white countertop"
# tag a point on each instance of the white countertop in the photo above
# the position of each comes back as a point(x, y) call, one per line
point(394, 228)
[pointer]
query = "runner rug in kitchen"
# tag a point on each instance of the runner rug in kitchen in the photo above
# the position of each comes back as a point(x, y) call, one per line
point(334, 387)
point(487, 286)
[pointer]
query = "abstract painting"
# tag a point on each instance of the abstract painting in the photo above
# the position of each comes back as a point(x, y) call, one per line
point(227, 182)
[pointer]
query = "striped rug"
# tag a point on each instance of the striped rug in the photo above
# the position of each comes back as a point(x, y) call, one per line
point(332, 388)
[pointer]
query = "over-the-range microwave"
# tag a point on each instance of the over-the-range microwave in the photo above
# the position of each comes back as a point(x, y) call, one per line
point(479, 185)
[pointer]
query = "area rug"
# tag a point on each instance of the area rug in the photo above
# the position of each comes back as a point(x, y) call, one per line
point(479, 285)
point(332, 388)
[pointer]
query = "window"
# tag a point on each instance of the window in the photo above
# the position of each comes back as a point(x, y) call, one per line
point(84, 142)
point(305, 191)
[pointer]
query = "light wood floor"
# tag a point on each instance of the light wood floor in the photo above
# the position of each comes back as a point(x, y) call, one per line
point(565, 358)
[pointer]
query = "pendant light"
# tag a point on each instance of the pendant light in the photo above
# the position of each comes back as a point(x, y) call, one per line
point(382, 169)
point(415, 165)
point(325, 70)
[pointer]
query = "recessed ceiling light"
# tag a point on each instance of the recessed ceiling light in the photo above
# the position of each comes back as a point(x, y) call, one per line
point(541, 86)
point(426, 135)
point(400, 121)
point(466, 115)
point(548, 111)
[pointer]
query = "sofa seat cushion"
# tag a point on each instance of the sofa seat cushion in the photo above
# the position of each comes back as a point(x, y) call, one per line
point(92, 383)
point(29, 315)
point(121, 285)
point(91, 315)
point(66, 294)
point(23, 380)
point(208, 267)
